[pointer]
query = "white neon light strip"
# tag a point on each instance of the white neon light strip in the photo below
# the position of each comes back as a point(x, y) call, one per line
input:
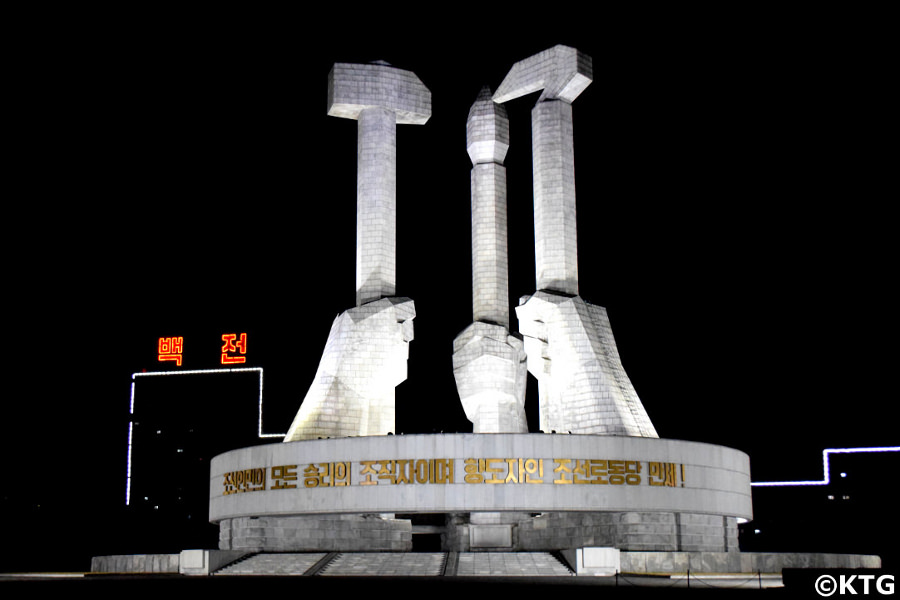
point(189, 372)
point(826, 478)
point(128, 466)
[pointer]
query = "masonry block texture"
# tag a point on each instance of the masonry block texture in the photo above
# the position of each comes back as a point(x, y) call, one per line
point(379, 97)
point(490, 368)
point(571, 351)
point(631, 531)
point(364, 359)
point(562, 73)
point(489, 362)
point(368, 346)
point(490, 274)
point(627, 531)
point(376, 206)
point(553, 171)
point(559, 72)
point(136, 563)
point(346, 533)
point(634, 531)
point(487, 137)
point(583, 386)
point(354, 87)
point(740, 562)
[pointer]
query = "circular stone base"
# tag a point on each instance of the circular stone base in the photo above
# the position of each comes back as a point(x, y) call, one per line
point(496, 491)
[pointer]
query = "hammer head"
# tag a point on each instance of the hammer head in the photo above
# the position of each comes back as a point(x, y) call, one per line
point(355, 87)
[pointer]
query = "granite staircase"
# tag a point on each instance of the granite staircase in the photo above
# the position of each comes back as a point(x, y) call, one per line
point(400, 564)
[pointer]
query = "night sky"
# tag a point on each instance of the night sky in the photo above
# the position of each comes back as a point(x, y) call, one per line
point(733, 177)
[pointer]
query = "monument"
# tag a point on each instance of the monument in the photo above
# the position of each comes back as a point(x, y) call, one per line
point(339, 480)
point(597, 479)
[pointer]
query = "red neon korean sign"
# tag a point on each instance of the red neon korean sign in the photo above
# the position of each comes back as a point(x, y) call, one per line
point(234, 349)
point(231, 346)
point(171, 348)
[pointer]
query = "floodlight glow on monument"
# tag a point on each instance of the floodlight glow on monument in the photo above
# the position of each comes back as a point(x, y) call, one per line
point(338, 480)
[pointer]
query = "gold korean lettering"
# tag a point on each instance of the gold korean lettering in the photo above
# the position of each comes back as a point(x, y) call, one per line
point(564, 468)
point(664, 474)
point(247, 480)
point(367, 472)
point(532, 467)
point(473, 468)
point(282, 476)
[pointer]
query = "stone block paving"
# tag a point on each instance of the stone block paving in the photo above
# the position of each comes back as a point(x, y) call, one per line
point(510, 564)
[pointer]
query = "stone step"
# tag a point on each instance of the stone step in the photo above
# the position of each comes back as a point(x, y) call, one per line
point(401, 564)
point(511, 564)
point(398, 564)
point(274, 564)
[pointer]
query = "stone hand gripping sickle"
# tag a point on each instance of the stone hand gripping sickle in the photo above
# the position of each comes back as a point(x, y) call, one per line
point(367, 349)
